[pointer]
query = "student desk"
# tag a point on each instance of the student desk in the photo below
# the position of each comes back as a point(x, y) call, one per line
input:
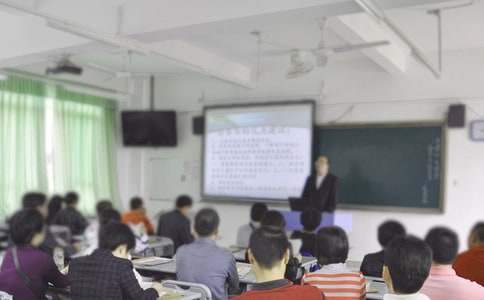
point(168, 266)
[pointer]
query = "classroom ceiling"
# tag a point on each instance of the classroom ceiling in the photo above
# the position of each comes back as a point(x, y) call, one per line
point(210, 37)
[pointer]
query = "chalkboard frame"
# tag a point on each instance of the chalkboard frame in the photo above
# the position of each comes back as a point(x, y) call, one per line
point(443, 163)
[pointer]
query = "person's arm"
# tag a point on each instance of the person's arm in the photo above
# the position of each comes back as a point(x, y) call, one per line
point(306, 190)
point(186, 234)
point(130, 286)
point(233, 277)
point(332, 196)
point(149, 227)
point(54, 276)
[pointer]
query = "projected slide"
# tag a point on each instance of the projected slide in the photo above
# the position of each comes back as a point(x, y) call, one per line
point(257, 152)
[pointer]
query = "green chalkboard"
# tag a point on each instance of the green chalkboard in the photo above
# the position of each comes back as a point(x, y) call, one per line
point(391, 167)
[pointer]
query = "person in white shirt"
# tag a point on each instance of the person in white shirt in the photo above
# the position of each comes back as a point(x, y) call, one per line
point(407, 265)
point(257, 211)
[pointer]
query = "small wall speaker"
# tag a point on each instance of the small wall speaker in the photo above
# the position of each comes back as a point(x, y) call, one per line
point(456, 118)
point(198, 124)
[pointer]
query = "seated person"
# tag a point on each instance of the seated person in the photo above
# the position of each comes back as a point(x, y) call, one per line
point(257, 211)
point(268, 255)
point(137, 215)
point(204, 262)
point(55, 205)
point(372, 264)
point(26, 271)
point(332, 252)
point(406, 267)
point(107, 216)
point(38, 201)
point(70, 216)
point(92, 231)
point(175, 224)
point(470, 264)
point(443, 283)
point(310, 219)
point(108, 272)
point(273, 218)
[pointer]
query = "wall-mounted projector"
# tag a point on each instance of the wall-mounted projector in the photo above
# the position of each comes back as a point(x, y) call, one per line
point(64, 66)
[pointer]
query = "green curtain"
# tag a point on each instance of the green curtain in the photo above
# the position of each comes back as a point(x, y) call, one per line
point(84, 150)
point(22, 141)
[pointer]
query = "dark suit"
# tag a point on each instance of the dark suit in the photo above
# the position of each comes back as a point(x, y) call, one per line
point(71, 218)
point(175, 226)
point(322, 198)
point(372, 264)
point(102, 276)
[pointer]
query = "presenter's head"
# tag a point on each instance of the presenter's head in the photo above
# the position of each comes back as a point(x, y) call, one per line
point(322, 166)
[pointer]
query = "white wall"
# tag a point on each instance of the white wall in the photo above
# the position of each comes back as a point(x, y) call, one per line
point(375, 97)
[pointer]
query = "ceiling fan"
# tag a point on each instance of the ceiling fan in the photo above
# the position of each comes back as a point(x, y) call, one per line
point(303, 61)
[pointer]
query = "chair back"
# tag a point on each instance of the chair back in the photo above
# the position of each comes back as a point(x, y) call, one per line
point(202, 289)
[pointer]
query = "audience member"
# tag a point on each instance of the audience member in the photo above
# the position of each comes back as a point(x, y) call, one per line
point(310, 219)
point(257, 212)
point(55, 205)
point(407, 265)
point(274, 219)
point(470, 264)
point(175, 224)
point(204, 262)
point(137, 215)
point(92, 231)
point(108, 272)
point(107, 216)
point(443, 283)
point(372, 264)
point(268, 255)
point(335, 279)
point(70, 216)
point(26, 271)
point(38, 201)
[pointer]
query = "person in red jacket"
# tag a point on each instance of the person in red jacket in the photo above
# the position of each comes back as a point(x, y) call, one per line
point(470, 264)
point(268, 255)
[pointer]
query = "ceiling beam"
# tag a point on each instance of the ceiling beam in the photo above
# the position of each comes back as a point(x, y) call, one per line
point(361, 28)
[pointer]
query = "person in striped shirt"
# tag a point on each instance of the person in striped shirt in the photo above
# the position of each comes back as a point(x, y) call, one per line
point(334, 279)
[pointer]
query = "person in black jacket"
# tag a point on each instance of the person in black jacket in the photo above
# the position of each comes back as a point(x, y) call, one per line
point(70, 216)
point(108, 272)
point(372, 264)
point(321, 188)
point(175, 224)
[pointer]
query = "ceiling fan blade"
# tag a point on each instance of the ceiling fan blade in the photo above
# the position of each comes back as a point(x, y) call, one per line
point(357, 47)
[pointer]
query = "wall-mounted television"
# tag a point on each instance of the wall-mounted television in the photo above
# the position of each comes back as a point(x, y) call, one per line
point(149, 128)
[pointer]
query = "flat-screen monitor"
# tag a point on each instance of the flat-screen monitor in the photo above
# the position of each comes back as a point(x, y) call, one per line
point(260, 152)
point(149, 128)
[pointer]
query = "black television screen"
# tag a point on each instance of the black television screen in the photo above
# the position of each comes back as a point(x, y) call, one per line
point(149, 128)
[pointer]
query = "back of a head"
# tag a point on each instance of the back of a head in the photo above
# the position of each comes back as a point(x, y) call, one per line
point(33, 200)
point(257, 211)
point(71, 198)
point(206, 222)
point(136, 203)
point(408, 260)
point(109, 215)
point(332, 245)
point(477, 234)
point(268, 246)
point(24, 225)
point(444, 244)
point(273, 218)
point(183, 201)
point(390, 230)
point(103, 205)
point(114, 235)
point(310, 219)
point(55, 205)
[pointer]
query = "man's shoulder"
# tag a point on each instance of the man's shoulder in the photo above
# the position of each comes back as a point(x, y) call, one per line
point(293, 292)
point(374, 255)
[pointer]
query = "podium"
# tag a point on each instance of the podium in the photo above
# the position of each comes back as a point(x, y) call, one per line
point(341, 219)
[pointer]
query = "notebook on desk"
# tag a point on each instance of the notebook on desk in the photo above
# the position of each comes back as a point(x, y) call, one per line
point(152, 261)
